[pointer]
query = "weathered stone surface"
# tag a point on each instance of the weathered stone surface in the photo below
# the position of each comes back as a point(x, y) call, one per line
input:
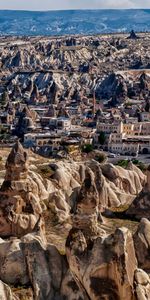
point(142, 244)
point(142, 283)
point(16, 164)
point(140, 207)
point(63, 188)
point(99, 265)
point(20, 196)
point(104, 267)
point(5, 292)
point(88, 209)
point(23, 293)
point(31, 261)
point(127, 181)
point(114, 186)
point(71, 288)
point(13, 269)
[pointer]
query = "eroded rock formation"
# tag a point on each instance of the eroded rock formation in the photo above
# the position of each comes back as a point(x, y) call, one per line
point(142, 283)
point(142, 244)
point(110, 186)
point(105, 266)
point(20, 206)
point(87, 213)
point(140, 207)
point(96, 264)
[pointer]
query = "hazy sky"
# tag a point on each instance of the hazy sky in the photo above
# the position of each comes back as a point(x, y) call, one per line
point(71, 4)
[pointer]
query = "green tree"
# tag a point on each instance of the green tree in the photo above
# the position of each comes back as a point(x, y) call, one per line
point(87, 148)
point(102, 138)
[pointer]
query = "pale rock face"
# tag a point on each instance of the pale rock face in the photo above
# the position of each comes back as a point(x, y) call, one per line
point(148, 180)
point(105, 266)
point(114, 186)
point(88, 206)
point(142, 244)
point(142, 281)
point(100, 265)
point(5, 292)
point(63, 189)
point(64, 177)
point(128, 181)
point(13, 267)
point(42, 192)
point(31, 260)
point(58, 205)
point(141, 175)
point(118, 187)
point(140, 207)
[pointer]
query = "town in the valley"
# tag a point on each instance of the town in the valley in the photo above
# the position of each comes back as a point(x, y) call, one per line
point(62, 96)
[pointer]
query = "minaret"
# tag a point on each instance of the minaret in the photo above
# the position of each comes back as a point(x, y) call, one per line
point(94, 104)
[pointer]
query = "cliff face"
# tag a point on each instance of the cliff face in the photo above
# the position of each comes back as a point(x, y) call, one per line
point(96, 263)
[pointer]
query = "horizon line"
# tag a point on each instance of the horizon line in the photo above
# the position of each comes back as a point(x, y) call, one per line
point(74, 9)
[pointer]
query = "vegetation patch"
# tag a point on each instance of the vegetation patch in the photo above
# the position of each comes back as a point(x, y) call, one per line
point(45, 171)
point(124, 164)
point(87, 148)
point(140, 164)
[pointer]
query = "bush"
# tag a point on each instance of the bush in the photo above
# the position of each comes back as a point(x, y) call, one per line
point(101, 157)
point(139, 164)
point(87, 148)
point(123, 163)
point(135, 161)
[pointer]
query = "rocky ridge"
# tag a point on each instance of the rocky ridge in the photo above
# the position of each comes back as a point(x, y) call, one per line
point(96, 264)
point(52, 69)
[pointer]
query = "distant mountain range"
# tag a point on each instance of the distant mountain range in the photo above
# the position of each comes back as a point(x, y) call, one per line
point(73, 22)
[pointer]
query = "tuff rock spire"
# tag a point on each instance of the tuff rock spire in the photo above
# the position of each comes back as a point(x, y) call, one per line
point(17, 163)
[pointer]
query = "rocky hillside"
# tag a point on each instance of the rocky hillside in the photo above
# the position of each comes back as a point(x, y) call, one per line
point(56, 242)
point(53, 69)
